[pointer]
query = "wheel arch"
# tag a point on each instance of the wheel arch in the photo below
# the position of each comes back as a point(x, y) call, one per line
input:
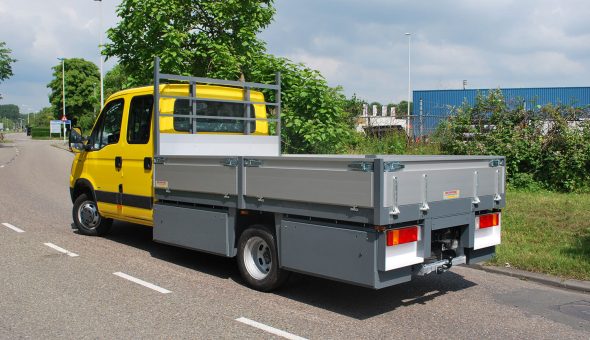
point(82, 186)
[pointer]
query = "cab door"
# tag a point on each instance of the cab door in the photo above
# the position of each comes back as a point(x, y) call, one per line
point(137, 161)
point(103, 160)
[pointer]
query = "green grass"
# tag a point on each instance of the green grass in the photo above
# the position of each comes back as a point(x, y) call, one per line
point(546, 232)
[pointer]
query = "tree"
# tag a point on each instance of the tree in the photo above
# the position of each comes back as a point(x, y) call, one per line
point(218, 39)
point(5, 62)
point(402, 109)
point(115, 80)
point(195, 37)
point(81, 84)
point(42, 118)
point(9, 111)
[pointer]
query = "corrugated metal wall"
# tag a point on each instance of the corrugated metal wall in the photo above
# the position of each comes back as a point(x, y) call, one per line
point(438, 104)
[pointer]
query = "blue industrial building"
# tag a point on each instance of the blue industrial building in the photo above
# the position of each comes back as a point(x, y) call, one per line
point(434, 105)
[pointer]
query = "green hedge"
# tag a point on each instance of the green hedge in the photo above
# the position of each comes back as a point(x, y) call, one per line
point(40, 132)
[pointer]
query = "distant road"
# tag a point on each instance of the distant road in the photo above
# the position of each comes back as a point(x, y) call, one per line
point(55, 283)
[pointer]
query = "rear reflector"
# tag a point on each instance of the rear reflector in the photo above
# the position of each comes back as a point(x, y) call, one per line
point(489, 220)
point(401, 236)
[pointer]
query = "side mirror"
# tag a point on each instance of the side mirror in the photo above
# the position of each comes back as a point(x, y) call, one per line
point(76, 141)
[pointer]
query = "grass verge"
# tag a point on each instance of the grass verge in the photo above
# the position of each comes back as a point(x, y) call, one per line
point(546, 232)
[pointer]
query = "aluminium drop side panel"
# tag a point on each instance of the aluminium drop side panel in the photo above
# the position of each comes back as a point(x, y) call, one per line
point(312, 180)
point(199, 229)
point(197, 174)
point(448, 186)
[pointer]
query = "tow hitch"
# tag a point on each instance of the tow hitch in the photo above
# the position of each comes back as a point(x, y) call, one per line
point(441, 266)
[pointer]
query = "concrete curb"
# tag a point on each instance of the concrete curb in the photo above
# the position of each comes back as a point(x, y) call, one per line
point(578, 285)
point(61, 146)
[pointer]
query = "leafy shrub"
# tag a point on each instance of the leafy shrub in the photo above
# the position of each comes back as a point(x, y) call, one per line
point(546, 147)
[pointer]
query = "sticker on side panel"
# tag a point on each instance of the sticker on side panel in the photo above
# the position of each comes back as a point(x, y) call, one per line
point(161, 185)
point(451, 194)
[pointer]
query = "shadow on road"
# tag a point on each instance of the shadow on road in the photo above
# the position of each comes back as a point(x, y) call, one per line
point(140, 237)
point(349, 300)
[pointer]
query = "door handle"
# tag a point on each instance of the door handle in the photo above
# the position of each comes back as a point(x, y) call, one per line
point(147, 163)
point(118, 162)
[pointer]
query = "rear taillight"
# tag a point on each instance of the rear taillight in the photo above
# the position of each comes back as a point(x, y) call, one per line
point(403, 235)
point(487, 221)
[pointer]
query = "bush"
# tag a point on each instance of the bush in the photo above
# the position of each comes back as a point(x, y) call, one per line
point(545, 148)
point(40, 132)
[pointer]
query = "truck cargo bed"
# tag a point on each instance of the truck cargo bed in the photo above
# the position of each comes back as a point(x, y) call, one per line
point(376, 190)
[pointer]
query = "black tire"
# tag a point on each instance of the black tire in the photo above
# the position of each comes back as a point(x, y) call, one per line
point(258, 259)
point(87, 217)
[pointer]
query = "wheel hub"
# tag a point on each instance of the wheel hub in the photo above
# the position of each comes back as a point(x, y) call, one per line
point(88, 215)
point(257, 257)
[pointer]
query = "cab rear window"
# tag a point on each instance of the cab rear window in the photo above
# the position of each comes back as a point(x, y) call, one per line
point(206, 108)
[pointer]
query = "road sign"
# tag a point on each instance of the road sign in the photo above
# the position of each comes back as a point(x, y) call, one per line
point(55, 126)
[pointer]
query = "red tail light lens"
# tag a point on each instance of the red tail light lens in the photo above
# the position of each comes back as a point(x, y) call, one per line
point(401, 236)
point(489, 220)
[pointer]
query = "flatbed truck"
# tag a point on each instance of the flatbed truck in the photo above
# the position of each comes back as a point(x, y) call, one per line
point(197, 160)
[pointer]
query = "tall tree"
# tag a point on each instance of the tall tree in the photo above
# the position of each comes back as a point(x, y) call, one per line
point(195, 37)
point(81, 83)
point(218, 39)
point(115, 80)
point(9, 111)
point(6, 62)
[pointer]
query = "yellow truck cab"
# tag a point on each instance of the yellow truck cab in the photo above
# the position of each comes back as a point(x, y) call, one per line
point(111, 175)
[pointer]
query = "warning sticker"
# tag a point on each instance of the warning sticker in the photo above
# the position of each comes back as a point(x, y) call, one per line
point(451, 194)
point(161, 185)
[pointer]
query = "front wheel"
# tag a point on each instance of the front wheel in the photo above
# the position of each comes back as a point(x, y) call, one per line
point(258, 259)
point(87, 218)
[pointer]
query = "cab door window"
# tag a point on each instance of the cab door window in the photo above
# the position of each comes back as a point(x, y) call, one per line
point(108, 127)
point(140, 113)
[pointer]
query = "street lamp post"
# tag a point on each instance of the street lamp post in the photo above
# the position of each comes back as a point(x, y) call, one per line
point(100, 53)
point(63, 88)
point(409, 35)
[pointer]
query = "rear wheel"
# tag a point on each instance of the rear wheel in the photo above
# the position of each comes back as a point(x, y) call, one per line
point(87, 217)
point(258, 259)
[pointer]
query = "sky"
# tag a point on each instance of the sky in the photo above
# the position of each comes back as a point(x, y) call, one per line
point(359, 45)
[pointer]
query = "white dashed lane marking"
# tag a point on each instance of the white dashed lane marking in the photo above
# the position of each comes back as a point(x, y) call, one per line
point(8, 225)
point(61, 250)
point(269, 329)
point(142, 282)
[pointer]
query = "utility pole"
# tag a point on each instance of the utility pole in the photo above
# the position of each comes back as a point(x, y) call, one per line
point(63, 89)
point(409, 35)
point(100, 54)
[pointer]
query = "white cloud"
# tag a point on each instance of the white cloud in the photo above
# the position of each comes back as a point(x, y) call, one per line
point(358, 44)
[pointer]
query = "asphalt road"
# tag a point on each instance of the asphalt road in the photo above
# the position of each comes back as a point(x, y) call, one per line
point(45, 293)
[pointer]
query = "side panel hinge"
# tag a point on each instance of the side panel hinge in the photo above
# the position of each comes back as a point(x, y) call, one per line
point(392, 166)
point(253, 163)
point(497, 162)
point(231, 162)
point(362, 166)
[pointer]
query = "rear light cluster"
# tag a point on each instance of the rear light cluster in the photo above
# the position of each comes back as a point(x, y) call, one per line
point(403, 235)
point(489, 220)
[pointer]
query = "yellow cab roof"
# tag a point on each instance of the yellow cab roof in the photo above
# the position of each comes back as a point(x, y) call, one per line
point(203, 91)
